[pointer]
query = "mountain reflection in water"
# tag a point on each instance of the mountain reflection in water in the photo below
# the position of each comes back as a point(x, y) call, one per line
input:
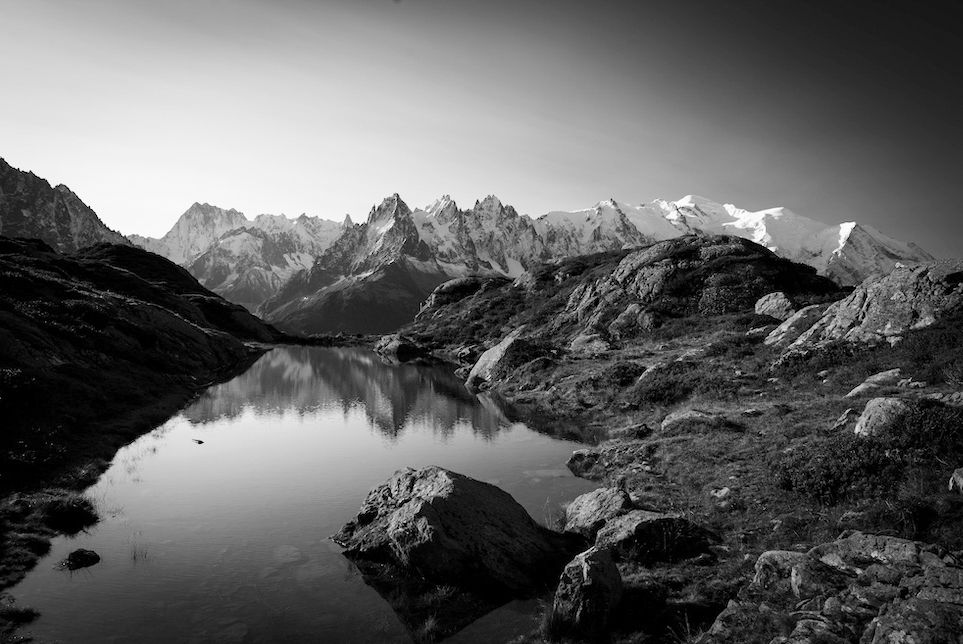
point(299, 380)
point(215, 525)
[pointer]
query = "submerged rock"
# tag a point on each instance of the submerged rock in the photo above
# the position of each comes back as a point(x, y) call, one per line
point(587, 595)
point(449, 528)
point(399, 348)
point(80, 558)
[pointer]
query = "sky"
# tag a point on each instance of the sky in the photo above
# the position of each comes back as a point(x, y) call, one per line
point(838, 111)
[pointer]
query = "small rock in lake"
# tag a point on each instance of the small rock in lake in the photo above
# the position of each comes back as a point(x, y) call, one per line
point(80, 558)
point(198, 441)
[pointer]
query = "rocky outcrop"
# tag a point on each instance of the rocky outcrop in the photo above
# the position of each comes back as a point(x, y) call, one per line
point(885, 308)
point(452, 529)
point(31, 208)
point(703, 276)
point(860, 588)
point(587, 596)
point(797, 324)
point(589, 512)
point(879, 415)
point(775, 305)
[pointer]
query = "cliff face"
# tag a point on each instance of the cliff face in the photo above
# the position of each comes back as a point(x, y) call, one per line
point(31, 208)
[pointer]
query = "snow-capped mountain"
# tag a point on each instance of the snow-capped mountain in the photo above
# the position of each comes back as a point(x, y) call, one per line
point(30, 207)
point(375, 276)
point(244, 261)
point(848, 252)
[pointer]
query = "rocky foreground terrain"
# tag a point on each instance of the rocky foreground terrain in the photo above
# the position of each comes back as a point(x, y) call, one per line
point(96, 346)
point(777, 457)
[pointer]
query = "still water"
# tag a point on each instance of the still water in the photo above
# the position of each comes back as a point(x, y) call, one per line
point(226, 540)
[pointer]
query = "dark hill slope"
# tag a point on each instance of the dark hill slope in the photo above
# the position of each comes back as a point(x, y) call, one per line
point(89, 338)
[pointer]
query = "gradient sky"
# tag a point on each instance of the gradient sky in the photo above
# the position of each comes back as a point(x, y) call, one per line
point(288, 106)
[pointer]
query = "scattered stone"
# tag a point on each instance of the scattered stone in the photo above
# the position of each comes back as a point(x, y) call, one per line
point(80, 558)
point(774, 568)
point(588, 593)
point(956, 480)
point(845, 419)
point(589, 512)
point(775, 305)
point(879, 415)
point(875, 382)
point(645, 537)
point(752, 412)
point(720, 494)
point(760, 331)
point(198, 441)
point(916, 621)
point(787, 332)
point(449, 528)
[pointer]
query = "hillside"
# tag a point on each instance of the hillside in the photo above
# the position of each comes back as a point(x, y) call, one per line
point(744, 393)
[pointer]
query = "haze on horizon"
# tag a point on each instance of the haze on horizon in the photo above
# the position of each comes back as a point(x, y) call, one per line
point(290, 106)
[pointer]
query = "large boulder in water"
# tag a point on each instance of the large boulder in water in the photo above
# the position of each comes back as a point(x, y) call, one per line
point(451, 529)
point(885, 308)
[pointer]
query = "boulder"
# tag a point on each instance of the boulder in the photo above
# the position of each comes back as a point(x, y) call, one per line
point(775, 305)
point(889, 378)
point(589, 512)
point(502, 359)
point(451, 529)
point(800, 321)
point(956, 480)
point(885, 308)
point(879, 415)
point(587, 596)
point(645, 537)
point(860, 550)
point(399, 348)
point(80, 558)
point(589, 345)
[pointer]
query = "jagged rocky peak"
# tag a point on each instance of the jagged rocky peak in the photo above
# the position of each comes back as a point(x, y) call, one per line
point(31, 208)
point(347, 223)
point(443, 207)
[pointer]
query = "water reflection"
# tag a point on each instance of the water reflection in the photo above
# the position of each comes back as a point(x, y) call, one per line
point(215, 524)
point(300, 380)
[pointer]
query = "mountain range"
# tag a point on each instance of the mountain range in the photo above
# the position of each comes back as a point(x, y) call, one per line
point(314, 275)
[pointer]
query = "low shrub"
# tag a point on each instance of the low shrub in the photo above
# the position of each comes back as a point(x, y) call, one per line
point(918, 445)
